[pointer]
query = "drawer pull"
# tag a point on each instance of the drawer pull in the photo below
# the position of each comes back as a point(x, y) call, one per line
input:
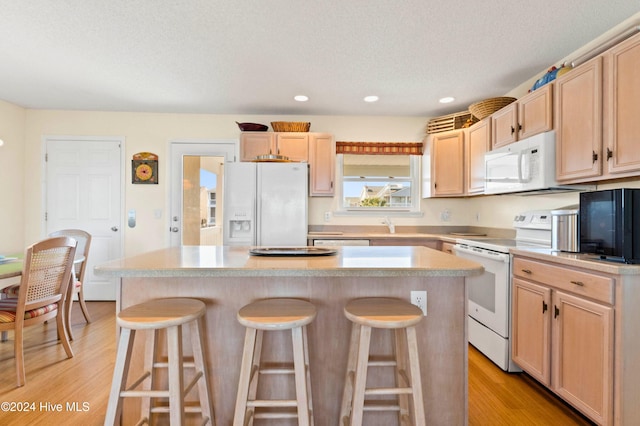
point(526, 271)
point(580, 283)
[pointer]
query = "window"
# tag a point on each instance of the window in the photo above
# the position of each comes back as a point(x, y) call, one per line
point(388, 183)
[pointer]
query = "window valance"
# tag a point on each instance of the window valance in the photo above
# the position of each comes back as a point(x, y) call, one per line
point(379, 148)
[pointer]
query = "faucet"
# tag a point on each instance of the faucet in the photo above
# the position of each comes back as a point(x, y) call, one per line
point(392, 227)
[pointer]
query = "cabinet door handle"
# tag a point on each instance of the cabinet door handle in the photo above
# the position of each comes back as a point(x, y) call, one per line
point(526, 271)
point(513, 130)
point(556, 311)
point(544, 306)
point(609, 153)
point(594, 157)
point(580, 283)
point(519, 127)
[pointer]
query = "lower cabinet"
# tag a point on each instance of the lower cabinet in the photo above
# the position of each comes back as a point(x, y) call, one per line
point(405, 241)
point(563, 333)
point(447, 247)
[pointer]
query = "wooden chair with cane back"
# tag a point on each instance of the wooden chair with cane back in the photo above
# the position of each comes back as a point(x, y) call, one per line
point(43, 286)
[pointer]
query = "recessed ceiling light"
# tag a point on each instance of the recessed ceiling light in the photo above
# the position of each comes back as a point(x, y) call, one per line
point(301, 98)
point(372, 98)
point(447, 100)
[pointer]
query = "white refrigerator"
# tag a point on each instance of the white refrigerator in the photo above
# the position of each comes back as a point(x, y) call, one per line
point(265, 204)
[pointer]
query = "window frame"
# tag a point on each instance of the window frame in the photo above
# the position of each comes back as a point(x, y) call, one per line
point(414, 210)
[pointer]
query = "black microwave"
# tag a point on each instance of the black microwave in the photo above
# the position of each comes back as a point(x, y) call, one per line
point(610, 224)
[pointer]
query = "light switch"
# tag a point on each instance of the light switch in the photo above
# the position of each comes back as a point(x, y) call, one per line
point(132, 218)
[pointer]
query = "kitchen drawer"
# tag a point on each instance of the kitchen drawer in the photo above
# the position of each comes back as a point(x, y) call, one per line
point(581, 283)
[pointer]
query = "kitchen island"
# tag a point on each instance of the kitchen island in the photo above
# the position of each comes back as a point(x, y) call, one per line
point(226, 278)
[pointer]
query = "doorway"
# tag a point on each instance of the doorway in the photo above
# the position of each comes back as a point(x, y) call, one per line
point(83, 190)
point(197, 198)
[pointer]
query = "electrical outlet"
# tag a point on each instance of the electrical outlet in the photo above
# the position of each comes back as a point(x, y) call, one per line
point(327, 216)
point(419, 298)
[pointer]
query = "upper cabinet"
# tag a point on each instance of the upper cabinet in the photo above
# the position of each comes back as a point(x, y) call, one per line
point(528, 116)
point(453, 161)
point(622, 108)
point(596, 117)
point(447, 163)
point(479, 142)
point(322, 161)
point(579, 122)
point(318, 149)
point(290, 144)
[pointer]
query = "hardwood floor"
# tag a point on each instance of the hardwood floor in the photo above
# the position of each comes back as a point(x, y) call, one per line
point(75, 391)
point(499, 398)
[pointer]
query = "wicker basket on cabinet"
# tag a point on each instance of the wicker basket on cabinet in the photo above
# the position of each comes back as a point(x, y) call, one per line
point(487, 107)
point(290, 126)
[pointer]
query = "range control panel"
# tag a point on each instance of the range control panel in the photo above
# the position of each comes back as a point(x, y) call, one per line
point(537, 219)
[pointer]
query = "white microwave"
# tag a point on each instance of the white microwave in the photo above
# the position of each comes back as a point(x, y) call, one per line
point(528, 165)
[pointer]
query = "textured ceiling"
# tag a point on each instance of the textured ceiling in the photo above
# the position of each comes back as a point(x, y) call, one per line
point(252, 57)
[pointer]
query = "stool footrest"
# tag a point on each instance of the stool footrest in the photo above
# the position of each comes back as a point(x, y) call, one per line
point(277, 370)
point(145, 393)
point(165, 409)
point(382, 363)
point(388, 391)
point(164, 364)
point(292, 415)
point(381, 406)
point(263, 403)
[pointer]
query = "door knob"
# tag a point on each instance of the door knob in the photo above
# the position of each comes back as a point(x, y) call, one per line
point(114, 228)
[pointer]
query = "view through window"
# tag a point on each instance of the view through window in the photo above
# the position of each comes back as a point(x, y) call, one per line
point(385, 182)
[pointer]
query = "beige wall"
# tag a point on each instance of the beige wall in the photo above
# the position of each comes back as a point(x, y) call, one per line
point(12, 176)
point(21, 166)
point(153, 132)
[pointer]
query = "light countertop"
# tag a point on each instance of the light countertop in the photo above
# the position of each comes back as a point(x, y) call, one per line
point(579, 260)
point(221, 261)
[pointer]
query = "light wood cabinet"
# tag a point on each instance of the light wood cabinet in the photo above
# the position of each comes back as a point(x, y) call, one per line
point(322, 161)
point(563, 333)
point(622, 109)
point(318, 149)
point(294, 145)
point(531, 329)
point(528, 116)
point(447, 247)
point(582, 347)
point(578, 122)
point(446, 169)
point(479, 142)
point(596, 117)
point(432, 243)
point(453, 161)
point(253, 144)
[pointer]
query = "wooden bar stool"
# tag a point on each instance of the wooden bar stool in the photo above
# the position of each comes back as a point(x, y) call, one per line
point(401, 316)
point(272, 315)
point(156, 315)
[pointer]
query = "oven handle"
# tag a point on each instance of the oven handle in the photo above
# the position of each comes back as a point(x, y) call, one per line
point(499, 257)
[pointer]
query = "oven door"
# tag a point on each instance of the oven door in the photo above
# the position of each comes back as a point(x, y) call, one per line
point(488, 293)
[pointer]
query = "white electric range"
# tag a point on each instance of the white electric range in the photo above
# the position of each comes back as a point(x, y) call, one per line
point(490, 293)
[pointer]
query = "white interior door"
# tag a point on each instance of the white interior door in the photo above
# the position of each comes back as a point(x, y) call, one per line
point(196, 207)
point(84, 191)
